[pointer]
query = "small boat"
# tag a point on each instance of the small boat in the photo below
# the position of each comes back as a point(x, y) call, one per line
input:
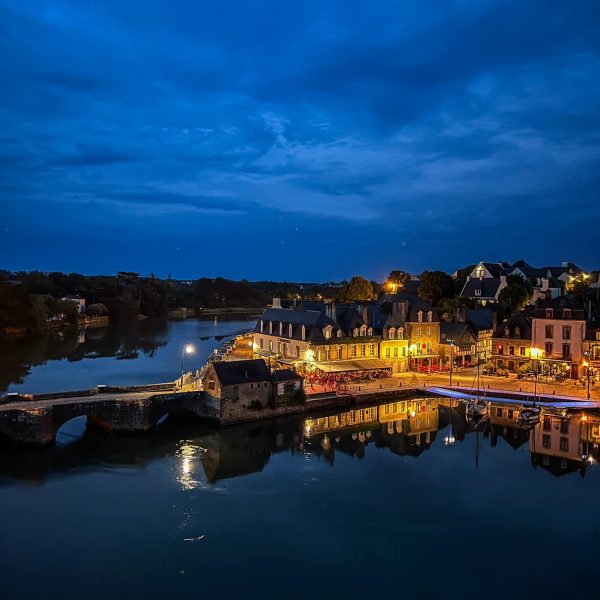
point(530, 416)
point(476, 409)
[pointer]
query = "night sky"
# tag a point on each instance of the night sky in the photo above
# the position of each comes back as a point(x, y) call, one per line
point(297, 140)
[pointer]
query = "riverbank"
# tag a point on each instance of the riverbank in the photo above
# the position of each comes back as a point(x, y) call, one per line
point(189, 313)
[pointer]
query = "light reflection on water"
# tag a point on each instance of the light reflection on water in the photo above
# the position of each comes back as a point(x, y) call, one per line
point(357, 499)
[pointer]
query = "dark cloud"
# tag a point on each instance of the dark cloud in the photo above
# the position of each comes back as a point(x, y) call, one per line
point(409, 134)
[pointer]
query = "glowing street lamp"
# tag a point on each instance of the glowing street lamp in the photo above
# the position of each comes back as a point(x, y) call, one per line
point(535, 353)
point(187, 349)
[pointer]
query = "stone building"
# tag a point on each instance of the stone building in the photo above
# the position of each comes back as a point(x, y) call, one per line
point(485, 282)
point(512, 343)
point(248, 385)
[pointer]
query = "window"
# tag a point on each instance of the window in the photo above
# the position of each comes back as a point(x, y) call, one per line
point(548, 349)
point(549, 313)
point(547, 424)
point(363, 330)
point(500, 349)
point(428, 332)
point(564, 444)
point(261, 343)
point(549, 331)
point(280, 329)
point(392, 333)
point(251, 386)
point(297, 351)
point(430, 316)
point(517, 332)
point(362, 349)
point(566, 350)
point(262, 325)
point(478, 292)
point(339, 353)
point(511, 350)
point(403, 352)
point(564, 426)
point(355, 332)
point(339, 333)
point(388, 352)
point(211, 384)
point(290, 330)
point(370, 331)
point(506, 332)
point(353, 351)
point(480, 272)
point(327, 332)
point(567, 313)
point(303, 332)
point(511, 413)
point(522, 350)
point(396, 352)
point(371, 349)
point(498, 412)
point(270, 327)
point(420, 316)
point(419, 332)
point(270, 345)
point(546, 441)
point(327, 353)
point(566, 332)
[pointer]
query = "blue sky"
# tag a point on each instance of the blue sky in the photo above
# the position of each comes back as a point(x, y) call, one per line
point(297, 140)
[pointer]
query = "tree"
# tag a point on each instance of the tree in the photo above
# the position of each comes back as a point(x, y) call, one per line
point(517, 293)
point(359, 289)
point(436, 285)
point(399, 277)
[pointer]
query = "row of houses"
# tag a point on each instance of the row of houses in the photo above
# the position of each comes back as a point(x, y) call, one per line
point(486, 280)
point(402, 332)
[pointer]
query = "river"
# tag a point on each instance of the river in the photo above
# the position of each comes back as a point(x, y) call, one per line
point(392, 500)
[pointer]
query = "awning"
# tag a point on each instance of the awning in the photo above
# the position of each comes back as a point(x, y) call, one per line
point(344, 366)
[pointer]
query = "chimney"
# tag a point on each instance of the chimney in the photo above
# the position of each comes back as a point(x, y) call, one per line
point(333, 312)
point(565, 263)
point(494, 321)
point(460, 314)
point(276, 303)
point(365, 314)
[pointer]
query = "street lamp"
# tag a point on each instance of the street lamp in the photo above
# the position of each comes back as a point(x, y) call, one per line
point(411, 352)
point(187, 349)
point(451, 361)
point(586, 364)
point(535, 354)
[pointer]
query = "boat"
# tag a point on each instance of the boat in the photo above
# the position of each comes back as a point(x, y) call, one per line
point(530, 416)
point(477, 408)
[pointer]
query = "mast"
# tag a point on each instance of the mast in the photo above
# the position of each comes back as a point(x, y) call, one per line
point(477, 358)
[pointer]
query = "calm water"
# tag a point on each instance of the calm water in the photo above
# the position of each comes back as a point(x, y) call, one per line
point(352, 504)
point(369, 502)
point(122, 354)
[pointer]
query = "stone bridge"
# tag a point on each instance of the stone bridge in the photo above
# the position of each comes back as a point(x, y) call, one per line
point(36, 421)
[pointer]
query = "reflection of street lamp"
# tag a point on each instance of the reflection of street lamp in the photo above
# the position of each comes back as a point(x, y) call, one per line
point(187, 349)
point(451, 361)
point(535, 353)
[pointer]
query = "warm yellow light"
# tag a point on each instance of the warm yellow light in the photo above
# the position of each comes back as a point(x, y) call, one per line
point(584, 418)
point(535, 352)
point(412, 347)
point(586, 364)
point(309, 355)
point(189, 349)
point(584, 275)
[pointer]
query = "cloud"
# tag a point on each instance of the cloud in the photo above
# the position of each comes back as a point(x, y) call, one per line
point(407, 127)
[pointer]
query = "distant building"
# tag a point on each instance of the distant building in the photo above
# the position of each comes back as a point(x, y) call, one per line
point(458, 341)
point(485, 282)
point(78, 301)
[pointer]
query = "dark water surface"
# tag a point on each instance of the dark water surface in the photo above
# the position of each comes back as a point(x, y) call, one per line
point(147, 351)
point(365, 503)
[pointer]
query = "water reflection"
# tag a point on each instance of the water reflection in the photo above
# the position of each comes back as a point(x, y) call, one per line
point(563, 442)
point(144, 351)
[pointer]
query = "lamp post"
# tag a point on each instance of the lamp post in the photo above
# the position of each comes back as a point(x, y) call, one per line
point(586, 364)
point(187, 349)
point(535, 354)
point(451, 361)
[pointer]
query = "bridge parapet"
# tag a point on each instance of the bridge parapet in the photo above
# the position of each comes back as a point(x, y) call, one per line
point(32, 423)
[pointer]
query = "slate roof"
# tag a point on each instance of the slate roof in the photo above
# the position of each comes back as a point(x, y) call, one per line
point(412, 286)
point(479, 319)
point(285, 375)
point(495, 269)
point(528, 270)
point(235, 372)
point(415, 304)
point(520, 320)
point(313, 321)
point(458, 333)
point(488, 286)
point(558, 305)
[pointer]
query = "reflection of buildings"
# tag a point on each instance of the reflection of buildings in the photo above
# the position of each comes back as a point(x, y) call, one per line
point(504, 423)
point(405, 427)
point(556, 443)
